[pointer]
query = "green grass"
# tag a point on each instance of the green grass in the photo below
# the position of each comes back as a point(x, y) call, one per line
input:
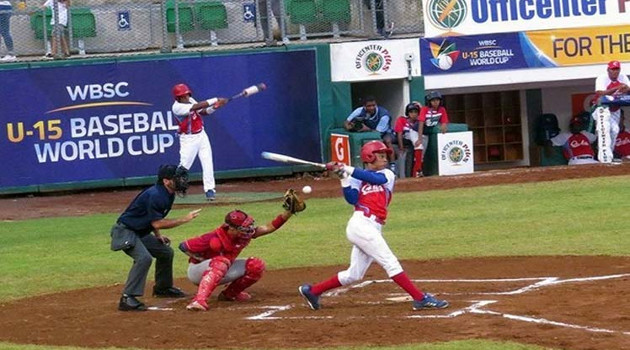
point(573, 217)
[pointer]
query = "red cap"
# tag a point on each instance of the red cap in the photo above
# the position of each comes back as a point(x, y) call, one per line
point(614, 65)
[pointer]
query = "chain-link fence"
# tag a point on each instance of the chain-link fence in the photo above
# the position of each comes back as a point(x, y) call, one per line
point(114, 26)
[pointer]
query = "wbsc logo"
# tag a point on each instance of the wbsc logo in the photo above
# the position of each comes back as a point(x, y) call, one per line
point(444, 54)
point(446, 14)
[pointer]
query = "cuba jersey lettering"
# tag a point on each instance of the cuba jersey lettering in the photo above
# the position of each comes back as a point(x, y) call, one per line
point(189, 122)
point(374, 199)
point(579, 145)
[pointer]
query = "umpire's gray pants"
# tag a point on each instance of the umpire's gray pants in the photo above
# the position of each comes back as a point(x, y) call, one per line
point(147, 247)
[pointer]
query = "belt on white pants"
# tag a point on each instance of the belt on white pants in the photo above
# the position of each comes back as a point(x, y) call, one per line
point(372, 217)
point(582, 157)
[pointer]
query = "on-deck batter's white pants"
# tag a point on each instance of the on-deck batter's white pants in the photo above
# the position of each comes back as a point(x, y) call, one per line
point(192, 145)
point(236, 271)
point(368, 245)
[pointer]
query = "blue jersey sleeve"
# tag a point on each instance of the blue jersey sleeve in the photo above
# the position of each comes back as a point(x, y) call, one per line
point(351, 195)
point(369, 176)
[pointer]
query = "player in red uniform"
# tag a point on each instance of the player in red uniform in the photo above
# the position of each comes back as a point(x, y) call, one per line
point(622, 144)
point(370, 192)
point(576, 145)
point(213, 258)
point(193, 139)
point(407, 128)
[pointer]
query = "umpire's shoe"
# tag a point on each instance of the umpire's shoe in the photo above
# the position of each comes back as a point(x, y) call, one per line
point(429, 302)
point(130, 303)
point(311, 299)
point(171, 292)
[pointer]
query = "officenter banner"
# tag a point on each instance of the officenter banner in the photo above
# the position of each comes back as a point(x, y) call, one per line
point(470, 17)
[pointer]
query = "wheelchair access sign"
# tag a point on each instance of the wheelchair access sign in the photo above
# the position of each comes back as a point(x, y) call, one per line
point(249, 12)
point(124, 20)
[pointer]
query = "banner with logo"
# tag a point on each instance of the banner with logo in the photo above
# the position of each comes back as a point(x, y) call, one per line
point(455, 153)
point(113, 120)
point(488, 52)
point(340, 148)
point(374, 60)
point(470, 17)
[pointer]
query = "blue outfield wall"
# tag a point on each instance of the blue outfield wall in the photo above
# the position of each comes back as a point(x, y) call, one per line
point(102, 123)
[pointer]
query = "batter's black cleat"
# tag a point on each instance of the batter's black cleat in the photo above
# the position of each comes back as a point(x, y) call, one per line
point(311, 299)
point(130, 303)
point(171, 292)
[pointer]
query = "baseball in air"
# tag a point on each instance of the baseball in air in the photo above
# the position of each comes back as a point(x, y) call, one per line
point(445, 62)
point(307, 189)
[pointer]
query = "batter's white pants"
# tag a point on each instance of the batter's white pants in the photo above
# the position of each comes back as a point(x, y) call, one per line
point(368, 245)
point(192, 145)
point(236, 271)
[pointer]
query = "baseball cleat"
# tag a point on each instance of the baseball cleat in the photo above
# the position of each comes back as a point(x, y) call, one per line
point(171, 292)
point(210, 195)
point(311, 299)
point(197, 305)
point(242, 296)
point(130, 303)
point(429, 302)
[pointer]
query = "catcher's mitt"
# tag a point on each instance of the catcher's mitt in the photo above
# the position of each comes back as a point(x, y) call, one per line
point(293, 202)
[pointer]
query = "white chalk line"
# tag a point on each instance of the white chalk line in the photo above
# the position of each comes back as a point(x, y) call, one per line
point(475, 308)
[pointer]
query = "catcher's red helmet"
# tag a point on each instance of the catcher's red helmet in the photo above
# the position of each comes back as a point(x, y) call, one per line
point(368, 150)
point(181, 90)
point(240, 221)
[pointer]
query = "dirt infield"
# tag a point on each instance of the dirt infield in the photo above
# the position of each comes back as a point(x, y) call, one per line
point(565, 302)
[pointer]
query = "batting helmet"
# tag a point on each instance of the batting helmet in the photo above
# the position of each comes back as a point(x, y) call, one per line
point(239, 220)
point(181, 90)
point(368, 150)
point(411, 107)
point(432, 96)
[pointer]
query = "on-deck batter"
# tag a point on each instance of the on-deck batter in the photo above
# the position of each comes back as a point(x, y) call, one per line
point(192, 138)
point(370, 191)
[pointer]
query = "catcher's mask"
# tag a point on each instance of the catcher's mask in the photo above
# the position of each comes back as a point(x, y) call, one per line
point(180, 90)
point(178, 174)
point(240, 221)
point(368, 150)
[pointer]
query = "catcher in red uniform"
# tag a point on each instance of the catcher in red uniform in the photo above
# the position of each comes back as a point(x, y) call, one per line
point(213, 255)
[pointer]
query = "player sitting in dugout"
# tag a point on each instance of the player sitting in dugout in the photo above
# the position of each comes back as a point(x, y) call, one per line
point(372, 117)
point(576, 145)
point(622, 143)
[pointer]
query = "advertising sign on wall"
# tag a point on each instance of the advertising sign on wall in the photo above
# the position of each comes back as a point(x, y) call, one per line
point(455, 153)
point(340, 148)
point(491, 52)
point(114, 120)
point(375, 60)
point(470, 17)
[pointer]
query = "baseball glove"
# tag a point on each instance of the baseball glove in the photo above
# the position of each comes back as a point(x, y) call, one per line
point(292, 202)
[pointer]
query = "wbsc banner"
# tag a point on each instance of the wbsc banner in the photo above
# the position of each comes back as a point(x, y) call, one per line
point(114, 120)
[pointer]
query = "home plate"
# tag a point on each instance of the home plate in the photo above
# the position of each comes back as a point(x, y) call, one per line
point(400, 299)
point(158, 308)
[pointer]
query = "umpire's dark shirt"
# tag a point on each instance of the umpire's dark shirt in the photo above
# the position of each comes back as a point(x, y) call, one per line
point(152, 204)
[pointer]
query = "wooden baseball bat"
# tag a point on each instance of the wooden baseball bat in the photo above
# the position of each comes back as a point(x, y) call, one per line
point(254, 89)
point(287, 159)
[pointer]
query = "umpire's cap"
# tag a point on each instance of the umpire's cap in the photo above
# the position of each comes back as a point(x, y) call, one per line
point(166, 171)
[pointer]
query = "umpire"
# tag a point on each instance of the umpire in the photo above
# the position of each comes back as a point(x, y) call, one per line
point(132, 234)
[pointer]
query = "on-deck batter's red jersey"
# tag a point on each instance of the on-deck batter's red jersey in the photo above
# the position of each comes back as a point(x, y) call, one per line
point(217, 242)
point(622, 144)
point(374, 199)
point(578, 145)
point(189, 122)
point(431, 117)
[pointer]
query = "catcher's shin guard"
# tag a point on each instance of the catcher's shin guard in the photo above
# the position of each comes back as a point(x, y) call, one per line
point(254, 269)
point(211, 277)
